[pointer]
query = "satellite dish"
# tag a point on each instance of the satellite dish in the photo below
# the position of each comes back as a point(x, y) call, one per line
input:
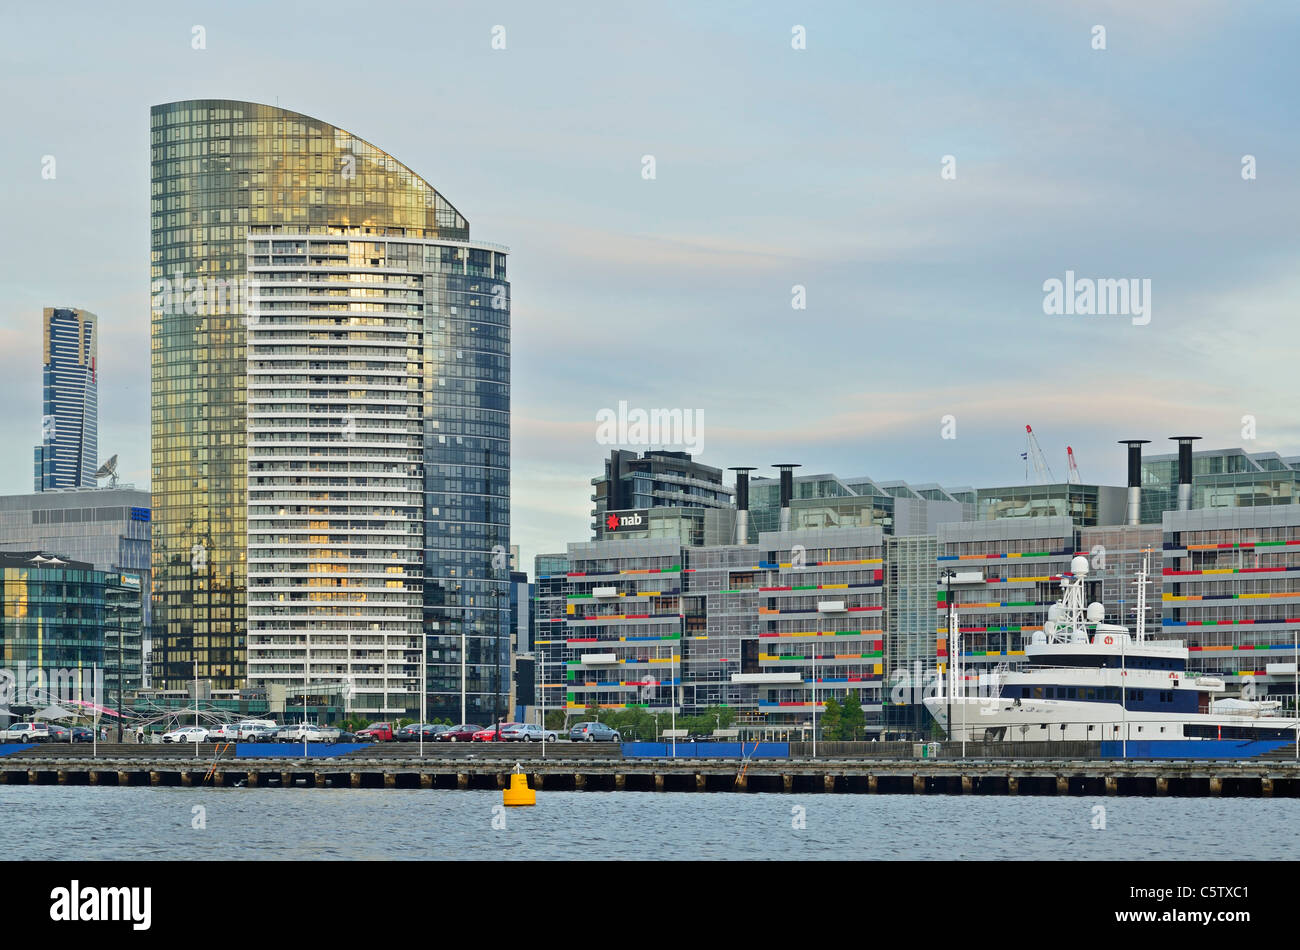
point(108, 470)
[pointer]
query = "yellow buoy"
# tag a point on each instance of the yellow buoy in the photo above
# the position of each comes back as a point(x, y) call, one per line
point(518, 793)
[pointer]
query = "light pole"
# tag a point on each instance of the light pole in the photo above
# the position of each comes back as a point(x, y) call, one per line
point(814, 697)
point(947, 576)
point(424, 682)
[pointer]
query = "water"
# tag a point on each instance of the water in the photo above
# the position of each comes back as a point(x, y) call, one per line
point(53, 823)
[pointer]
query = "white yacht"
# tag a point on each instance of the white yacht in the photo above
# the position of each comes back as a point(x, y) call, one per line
point(1083, 679)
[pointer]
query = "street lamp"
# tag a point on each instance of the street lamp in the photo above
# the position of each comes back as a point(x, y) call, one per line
point(948, 576)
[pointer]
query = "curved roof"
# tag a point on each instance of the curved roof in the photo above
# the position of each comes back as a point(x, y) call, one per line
point(408, 192)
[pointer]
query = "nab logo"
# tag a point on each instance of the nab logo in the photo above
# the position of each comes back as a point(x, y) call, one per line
point(614, 522)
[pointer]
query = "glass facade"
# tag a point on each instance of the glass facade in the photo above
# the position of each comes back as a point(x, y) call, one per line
point(218, 169)
point(61, 623)
point(66, 457)
point(378, 448)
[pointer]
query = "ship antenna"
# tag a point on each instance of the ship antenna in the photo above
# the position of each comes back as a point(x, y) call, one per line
point(1142, 598)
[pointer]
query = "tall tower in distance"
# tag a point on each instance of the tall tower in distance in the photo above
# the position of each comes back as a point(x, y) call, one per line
point(331, 421)
point(66, 457)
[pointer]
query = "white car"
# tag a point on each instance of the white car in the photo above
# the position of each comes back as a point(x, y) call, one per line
point(226, 732)
point(246, 727)
point(311, 733)
point(26, 732)
point(187, 734)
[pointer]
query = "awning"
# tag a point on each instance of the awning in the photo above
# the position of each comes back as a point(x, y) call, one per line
point(55, 712)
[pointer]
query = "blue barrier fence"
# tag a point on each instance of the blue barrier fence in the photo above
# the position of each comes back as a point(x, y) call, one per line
point(706, 750)
point(315, 750)
point(1191, 748)
point(8, 749)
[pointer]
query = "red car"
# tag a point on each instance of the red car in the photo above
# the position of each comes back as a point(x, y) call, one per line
point(376, 731)
point(490, 733)
point(461, 733)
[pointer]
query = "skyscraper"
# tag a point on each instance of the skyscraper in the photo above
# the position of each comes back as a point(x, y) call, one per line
point(330, 379)
point(66, 457)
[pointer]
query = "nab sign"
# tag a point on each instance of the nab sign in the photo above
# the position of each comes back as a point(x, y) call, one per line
point(617, 521)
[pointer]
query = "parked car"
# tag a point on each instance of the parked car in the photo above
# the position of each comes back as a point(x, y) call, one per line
point(593, 732)
point(247, 726)
point(282, 733)
point(82, 734)
point(310, 732)
point(377, 732)
point(527, 732)
point(186, 734)
point(26, 732)
point(60, 734)
point(226, 732)
point(462, 733)
point(258, 733)
point(489, 734)
point(412, 732)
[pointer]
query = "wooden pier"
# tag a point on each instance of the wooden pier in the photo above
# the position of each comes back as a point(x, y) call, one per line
point(581, 767)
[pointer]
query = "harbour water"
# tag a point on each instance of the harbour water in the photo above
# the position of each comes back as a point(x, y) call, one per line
point(80, 823)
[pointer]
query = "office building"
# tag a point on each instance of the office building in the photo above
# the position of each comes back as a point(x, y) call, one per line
point(67, 455)
point(68, 632)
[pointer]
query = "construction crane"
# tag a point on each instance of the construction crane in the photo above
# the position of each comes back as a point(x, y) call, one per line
point(1074, 468)
point(1033, 453)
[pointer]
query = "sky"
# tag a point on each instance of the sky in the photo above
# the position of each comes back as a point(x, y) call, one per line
point(920, 170)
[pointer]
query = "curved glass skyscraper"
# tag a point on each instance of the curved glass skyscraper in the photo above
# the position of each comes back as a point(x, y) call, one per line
point(376, 395)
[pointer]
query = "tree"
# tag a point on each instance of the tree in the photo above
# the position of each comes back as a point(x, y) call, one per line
point(555, 719)
point(831, 721)
point(593, 711)
point(853, 719)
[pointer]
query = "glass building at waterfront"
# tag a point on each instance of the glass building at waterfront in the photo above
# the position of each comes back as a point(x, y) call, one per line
point(66, 457)
point(237, 183)
point(64, 629)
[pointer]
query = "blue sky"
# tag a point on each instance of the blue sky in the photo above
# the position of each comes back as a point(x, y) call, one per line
point(775, 167)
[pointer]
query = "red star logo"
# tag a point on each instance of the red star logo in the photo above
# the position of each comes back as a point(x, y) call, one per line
point(612, 522)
